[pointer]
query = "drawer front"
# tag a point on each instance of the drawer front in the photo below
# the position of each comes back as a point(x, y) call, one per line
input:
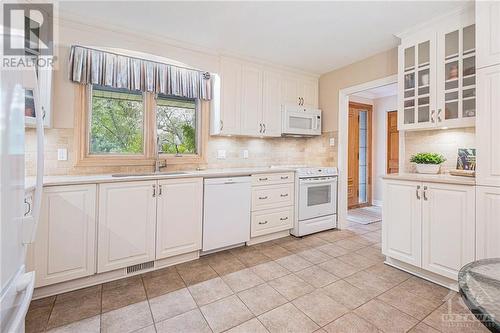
point(272, 220)
point(272, 196)
point(273, 178)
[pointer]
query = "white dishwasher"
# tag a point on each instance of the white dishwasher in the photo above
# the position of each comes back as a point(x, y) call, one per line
point(226, 212)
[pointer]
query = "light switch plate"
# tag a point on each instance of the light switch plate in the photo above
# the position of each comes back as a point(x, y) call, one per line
point(332, 142)
point(221, 154)
point(244, 153)
point(62, 154)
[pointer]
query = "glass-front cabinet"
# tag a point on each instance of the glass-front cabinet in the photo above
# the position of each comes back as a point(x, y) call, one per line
point(457, 78)
point(417, 83)
point(437, 75)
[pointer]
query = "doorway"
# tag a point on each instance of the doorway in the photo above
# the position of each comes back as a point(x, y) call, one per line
point(359, 155)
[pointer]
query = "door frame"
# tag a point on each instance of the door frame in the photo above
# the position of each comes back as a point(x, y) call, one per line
point(343, 121)
point(369, 110)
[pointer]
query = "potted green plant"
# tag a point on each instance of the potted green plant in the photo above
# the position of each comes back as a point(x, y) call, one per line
point(428, 162)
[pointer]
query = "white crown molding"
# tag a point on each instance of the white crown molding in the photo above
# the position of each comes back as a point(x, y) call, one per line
point(71, 20)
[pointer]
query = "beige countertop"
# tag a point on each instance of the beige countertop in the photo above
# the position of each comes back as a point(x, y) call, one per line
point(440, 178)
point(108, 178)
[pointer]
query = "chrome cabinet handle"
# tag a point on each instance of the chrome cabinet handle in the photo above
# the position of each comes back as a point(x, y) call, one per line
point(160, 191)
point(284, 195)
point(425, 193)
point(417, 192)
point(284, 177)
point(221, 125)
point(439, 115)
point(265, 222)
point(263, 198)
point(283, 218)
point(264, 128)
point(299, 101)
point(154, 191)
point(432, 116)
point(262, 179)
point(260, 128)
point(26, 213)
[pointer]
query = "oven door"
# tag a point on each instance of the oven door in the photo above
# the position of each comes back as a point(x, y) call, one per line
point(317, 197)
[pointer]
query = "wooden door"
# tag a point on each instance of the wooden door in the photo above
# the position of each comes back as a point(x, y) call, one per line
point(392, 142)
point(353, 158)
point(126, 224)
point(179, 221)
point(448, 213)
point(65, 241)
point(401, 230)
point(487, 226)
point(251, 101)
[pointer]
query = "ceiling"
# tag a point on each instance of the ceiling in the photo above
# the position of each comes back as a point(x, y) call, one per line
point(379, 92)
point(312, 36)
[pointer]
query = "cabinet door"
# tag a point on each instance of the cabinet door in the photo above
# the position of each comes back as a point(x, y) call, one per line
point(126, 226)
point(417, 83)
point(290, 89)
point(309, 92)
point(487, 222)
point(230, 96)
point(401, 230)
point(488, 33)
point(488, 125)
point(251, 100)
point(271, 112)
point(457, 75)
point(448, 228)
point(179, 221)
point(65, 241)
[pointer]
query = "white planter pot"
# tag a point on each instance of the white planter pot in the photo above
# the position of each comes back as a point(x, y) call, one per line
point(428, 168)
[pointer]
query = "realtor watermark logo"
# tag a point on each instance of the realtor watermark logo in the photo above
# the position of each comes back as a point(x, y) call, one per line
point(28, 35)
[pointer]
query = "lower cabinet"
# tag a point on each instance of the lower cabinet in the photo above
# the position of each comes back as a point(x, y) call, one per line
point(126, 225)
point(271, 220)
point(179, 216)
point(64, 248)
point(487, 222)
point(429, 225)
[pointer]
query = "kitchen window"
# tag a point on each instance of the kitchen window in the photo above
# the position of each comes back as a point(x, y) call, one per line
point(116, 122)
point(177, 125)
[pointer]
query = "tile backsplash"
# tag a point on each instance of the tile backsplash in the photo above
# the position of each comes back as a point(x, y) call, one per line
point(261, 152)
point(445, 142)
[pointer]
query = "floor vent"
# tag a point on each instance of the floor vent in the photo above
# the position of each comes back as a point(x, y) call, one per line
point(140, 267)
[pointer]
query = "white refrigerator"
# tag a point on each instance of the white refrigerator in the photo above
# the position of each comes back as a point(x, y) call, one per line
point(18, 219)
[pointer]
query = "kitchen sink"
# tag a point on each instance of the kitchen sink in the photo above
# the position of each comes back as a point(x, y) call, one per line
point(149, 174)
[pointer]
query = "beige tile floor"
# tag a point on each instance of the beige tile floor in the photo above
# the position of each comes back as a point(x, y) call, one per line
point(334, 281)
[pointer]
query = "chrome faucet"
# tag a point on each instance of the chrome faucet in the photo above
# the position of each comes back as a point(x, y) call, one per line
point(158, 162)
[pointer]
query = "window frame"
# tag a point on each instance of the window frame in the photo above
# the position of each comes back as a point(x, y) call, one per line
point(83, 111)
point(174, 158)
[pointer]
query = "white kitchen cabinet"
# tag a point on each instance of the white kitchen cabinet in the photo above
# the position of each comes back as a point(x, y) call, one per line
point(251, 100)
point(299, 90)
point(437, 75)
point(179, 218)
point(448, 228)
point(402, 221)
point(488, 33)
point(126, 224)
point(271, 106)
point(488, 126)
point(429, 225)
point(487, 222)
point(230, 103)
point(271, 220)
point(64, 247)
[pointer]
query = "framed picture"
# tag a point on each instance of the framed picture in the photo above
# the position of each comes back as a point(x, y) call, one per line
point(466, 159)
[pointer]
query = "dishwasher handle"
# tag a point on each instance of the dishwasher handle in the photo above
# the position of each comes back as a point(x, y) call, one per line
point(228, 180)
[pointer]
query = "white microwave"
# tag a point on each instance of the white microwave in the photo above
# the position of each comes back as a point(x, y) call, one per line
point(300, 121)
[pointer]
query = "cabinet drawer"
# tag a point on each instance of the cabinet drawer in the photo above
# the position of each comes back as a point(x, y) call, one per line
point(272, 196)
point(273, 178)
point(271, 220)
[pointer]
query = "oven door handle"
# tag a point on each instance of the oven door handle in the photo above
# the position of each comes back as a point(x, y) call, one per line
point(323, 181)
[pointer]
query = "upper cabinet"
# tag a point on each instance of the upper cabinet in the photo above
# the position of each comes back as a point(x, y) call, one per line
point(45, 88)
point(252, 97)
point(436, 76)
point(488, 33)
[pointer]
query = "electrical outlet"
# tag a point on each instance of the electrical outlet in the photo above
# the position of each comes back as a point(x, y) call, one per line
point(62, 154)
point(221, 154)
point(244, 153)
point(332, 142)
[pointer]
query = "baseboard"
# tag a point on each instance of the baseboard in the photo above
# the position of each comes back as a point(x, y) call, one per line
point(377, 203)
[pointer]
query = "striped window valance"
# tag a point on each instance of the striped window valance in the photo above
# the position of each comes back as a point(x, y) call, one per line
point(92, 66)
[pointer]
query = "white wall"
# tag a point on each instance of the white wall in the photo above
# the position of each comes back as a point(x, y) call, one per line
point(379, 143)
